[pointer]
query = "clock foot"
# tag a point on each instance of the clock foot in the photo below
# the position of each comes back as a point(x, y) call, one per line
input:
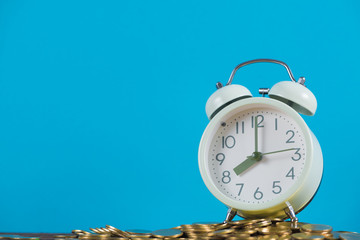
point(231, 213)
point(291, 214)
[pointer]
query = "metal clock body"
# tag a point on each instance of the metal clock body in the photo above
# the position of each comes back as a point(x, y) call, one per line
point(257, 155)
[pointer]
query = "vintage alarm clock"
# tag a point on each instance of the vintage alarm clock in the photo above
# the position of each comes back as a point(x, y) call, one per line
point(257, 155)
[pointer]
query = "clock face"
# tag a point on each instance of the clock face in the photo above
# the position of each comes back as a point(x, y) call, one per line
point(256, 155)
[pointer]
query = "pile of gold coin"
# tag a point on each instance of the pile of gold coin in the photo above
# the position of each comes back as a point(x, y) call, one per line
point(258, 229)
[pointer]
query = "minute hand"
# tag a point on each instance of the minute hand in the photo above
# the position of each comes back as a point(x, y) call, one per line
point(285, 150)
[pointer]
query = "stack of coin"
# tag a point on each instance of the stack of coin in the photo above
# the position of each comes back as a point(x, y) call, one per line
point(316, 231)
point(256, 229)
point(167, 233)
point(199, 230)
point(139, 233)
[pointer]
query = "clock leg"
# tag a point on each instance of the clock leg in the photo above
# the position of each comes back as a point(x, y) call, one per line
point(231, 213)
point(291, 214)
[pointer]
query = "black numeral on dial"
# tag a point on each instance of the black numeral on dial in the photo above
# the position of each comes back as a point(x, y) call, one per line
point(220, 157)
point(258, 194)
point(226, 177)
point(260, 119)
point(292, 134)
point(276, 187)
point(241, 187)
point(298, 155)
point(228, 141)
point(291, 173)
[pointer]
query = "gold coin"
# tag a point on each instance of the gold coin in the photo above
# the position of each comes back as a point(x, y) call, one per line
point(100, 235)
point(223, 226)
point(200, 230)
point(262, 223)
point(290, 225)
point(105, 230)
point(249, 238)
point(316, 228)
point(268, 237)
point(251, 223)
point(198, 238)
point(224, 231)
point(132, 236)
point(248, 231)
point(80, 232)
point(350, 236)
point(60, 236)
point(117, 232)
point(137, 238)
point(274, 230)
point(178, 227)
point(102, 231)
point(117, 238)
point(139, 233)
point(174, 233)
point(240, 222)
point(241, 235)
point(285, 237)
point(94, 230)
point(206, 223)
point(335, 235)
point(95, 236)
point(275, 220)
point(186, 226)
point(238, 238)
point(173, 238)
point(306, 236)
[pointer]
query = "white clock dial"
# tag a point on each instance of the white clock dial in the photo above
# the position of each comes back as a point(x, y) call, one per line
point(281, 143)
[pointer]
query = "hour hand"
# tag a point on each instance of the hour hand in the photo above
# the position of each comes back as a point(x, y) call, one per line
point(250, 160)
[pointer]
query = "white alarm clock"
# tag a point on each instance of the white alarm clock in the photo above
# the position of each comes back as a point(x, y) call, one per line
point(257, 155)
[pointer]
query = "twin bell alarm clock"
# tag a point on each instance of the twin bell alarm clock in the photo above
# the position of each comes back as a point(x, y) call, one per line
point(257, 155)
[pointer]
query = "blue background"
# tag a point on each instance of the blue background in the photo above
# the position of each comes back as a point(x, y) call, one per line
point(102, 105)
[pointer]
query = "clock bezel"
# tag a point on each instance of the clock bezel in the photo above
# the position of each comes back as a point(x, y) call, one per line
point(275, 204)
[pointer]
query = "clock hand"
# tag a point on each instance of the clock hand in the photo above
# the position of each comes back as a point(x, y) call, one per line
point(250, 160)
point(253, 159)
point(285, 150)
point(256, 134)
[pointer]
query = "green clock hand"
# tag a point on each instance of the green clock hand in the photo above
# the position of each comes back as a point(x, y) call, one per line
point(254, 158)
point(250, 160)
point(285, 150)
point(256, 134)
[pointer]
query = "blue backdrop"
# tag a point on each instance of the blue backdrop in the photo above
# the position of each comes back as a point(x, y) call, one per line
point(102, 105)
